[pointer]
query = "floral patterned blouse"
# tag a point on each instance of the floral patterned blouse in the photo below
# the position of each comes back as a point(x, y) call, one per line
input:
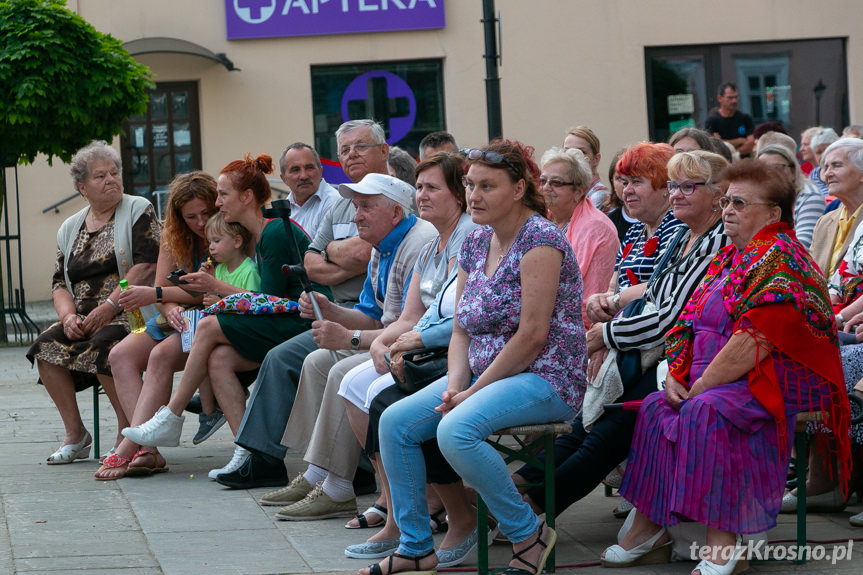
point(490, 308)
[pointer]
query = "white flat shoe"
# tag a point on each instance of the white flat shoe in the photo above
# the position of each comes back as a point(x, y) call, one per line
point(856, 520)
point(733, 566)
point(72, 451)
point(644, 554)
point(162, 430)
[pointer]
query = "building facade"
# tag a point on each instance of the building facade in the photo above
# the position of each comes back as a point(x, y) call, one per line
point(255, 75)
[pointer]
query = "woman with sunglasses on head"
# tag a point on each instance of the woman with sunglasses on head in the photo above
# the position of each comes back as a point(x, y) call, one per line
point(516, 357)
point(755, 345)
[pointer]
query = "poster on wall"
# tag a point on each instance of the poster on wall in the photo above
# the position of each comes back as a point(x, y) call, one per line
point(279, 18)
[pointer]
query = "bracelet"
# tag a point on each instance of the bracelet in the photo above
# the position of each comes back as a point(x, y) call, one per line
point(117, 308)
point(841, 320)
point(158, 294)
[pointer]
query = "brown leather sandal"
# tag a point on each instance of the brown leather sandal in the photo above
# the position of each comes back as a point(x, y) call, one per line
point(145, 463)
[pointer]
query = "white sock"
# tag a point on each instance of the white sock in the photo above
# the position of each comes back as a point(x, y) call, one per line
point(338, 488)
point(315, 474)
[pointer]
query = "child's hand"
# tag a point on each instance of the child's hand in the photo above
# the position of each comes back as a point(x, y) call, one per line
point(210, 298)
point(208, 267)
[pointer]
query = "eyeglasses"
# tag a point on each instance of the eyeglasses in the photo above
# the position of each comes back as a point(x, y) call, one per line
point(489, 156)
point(359, 149)
point(554, 182)
point(740, 205)
point(685, 188)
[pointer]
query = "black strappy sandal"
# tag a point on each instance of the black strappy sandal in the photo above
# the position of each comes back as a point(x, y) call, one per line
point(376, 568)
point(534, 569)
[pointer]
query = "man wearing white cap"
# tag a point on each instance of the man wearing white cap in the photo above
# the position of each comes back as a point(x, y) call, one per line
point(318, 421)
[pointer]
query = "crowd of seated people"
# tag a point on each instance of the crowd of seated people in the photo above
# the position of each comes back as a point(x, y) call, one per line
point(718, 281)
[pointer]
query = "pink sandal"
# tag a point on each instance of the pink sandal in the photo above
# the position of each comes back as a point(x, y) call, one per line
point(113, 461)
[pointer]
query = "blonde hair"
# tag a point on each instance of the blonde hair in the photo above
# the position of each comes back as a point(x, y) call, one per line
point(218, 227)
point(697, 164)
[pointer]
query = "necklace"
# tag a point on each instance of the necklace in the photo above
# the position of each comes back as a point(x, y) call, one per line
point(502, 251)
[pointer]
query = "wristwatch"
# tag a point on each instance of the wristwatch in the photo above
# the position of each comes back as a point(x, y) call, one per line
point(355, 340)
point(158, 294)
point(616, 300)
point(324, 255)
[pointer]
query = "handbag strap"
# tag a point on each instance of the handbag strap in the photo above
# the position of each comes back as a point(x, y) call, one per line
point(659, 268)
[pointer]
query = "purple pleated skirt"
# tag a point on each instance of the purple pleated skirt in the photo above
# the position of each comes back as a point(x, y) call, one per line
point(717, 459)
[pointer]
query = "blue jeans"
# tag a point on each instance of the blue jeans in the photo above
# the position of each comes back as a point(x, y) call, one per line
point(519, 400)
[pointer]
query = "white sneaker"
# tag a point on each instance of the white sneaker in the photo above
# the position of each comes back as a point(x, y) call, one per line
point(162, 430)
point(241, 454)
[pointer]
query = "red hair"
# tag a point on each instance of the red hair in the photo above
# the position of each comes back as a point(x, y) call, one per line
point(647, 161)
point(249, 174)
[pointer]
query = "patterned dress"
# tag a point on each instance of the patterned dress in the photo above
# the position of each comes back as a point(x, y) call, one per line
point(490, 308)
point(94, 275)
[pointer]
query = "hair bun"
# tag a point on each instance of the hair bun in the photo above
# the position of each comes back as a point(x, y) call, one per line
point(264, 162)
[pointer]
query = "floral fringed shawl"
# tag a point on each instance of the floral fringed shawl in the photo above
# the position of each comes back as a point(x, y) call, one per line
point(774, 286)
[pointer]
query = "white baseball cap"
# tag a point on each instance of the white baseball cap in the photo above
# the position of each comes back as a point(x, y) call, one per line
point(381, 184)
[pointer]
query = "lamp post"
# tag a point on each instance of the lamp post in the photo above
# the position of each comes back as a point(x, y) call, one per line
point(819, 91)
point(492, 80)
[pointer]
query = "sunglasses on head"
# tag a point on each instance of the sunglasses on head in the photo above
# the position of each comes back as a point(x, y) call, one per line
point(489, 156)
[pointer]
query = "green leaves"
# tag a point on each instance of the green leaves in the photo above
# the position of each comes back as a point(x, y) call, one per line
point(62, 83)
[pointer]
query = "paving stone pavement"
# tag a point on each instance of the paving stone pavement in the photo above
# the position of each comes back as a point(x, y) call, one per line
point(58, 520)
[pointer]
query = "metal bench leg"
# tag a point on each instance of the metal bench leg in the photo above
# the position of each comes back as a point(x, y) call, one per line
point(802, 463)
point(482, 536)
point(96, 450)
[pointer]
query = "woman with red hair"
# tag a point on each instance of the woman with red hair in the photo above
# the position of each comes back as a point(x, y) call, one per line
point(228, 343)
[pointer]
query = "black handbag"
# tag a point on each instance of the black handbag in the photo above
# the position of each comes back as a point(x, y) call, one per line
point(422, 366)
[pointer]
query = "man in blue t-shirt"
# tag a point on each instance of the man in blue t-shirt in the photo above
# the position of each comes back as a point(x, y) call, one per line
point(729, 124)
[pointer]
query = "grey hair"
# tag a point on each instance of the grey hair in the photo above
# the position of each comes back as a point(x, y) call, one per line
point(776, 139)
point(297, 146)
point(853, 148)
point(391, 202)
point(579, 167)
point(95, 150)
point(822, 137)
point(375, 129)
point(403, 165)
point(810, 131)
point(788, 156)
point(853, 129)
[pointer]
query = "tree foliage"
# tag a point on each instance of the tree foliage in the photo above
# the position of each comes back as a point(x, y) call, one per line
point(62, 82)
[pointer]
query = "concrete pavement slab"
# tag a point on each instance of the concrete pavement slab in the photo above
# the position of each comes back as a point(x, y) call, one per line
point(57, 519)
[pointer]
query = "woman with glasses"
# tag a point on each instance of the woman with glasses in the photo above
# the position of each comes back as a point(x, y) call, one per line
point(755, 345)
point(516, 357)
point(564, 181)
point(808, 200)
point(584, 459)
